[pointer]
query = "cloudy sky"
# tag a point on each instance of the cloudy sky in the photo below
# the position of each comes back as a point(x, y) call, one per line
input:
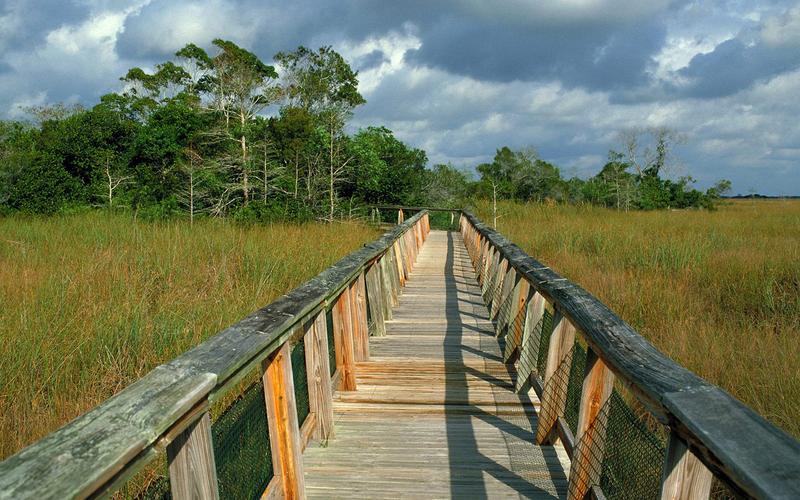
point(461, 78)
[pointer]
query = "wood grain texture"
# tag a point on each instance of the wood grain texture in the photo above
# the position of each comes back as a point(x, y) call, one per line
point(553, 400)
point(284, 430)
point(320, 392)
point(528, 355)
point(375, 300)
point(344, 343)
point(192, 473)
point(358, 312)
point(685, 477)
point(598, 382)
point(436, 414)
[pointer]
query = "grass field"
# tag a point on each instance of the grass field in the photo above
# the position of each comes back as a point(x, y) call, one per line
point(91, 302)
point(719, 291)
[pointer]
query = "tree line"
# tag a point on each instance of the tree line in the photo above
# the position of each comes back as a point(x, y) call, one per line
point(193, 137)
point(631, 179)
point(223, 133)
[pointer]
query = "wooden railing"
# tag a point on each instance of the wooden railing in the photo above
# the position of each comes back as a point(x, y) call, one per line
point(168, 409)
point(710, 433)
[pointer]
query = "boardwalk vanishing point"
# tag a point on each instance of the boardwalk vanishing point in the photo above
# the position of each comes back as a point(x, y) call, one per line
point(436, 414)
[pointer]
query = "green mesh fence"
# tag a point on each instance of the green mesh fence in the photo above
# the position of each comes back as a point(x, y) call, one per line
point(628, 456)
point(331, 343)
point(544, 342)
point(575, 386)
point(300, 381)
point(159, 489)
point(241, 446)
point(240, 437)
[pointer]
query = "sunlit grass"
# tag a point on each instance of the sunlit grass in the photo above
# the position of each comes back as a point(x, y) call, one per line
point(718, 291)
point(89, 303)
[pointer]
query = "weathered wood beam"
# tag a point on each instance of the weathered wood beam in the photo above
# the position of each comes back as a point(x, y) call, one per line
point(376, 299)
point(684, 475)
point(598, 383)
point(343, 338)
point(554, 400)
point(358, 311)
point(192, 472)
point(284, 431)
point(320, 393)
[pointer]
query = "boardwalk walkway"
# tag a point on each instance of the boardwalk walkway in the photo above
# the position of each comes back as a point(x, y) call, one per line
point(435, 414)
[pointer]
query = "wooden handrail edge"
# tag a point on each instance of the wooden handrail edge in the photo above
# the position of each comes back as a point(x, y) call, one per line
point(733, 441)
point(89, 454)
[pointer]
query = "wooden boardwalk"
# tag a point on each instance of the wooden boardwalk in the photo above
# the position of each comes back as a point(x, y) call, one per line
point(435, 414)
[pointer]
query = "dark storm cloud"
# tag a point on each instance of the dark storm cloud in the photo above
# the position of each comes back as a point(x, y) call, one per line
point(595, 57)
point(29, 21)
point(735, 65)
point(460, 78)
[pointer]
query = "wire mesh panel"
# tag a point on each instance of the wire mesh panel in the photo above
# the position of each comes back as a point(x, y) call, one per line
point(575, 386)
point(331, 343)
point(300, 381)
point(528, 360)
point(628, 456)
point(556, 387)
point(241, 446)
point(157, 489)
point(544, 343)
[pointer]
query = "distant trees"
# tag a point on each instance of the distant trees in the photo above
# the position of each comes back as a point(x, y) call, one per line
point(217, 133)
point(222, 133)
point(630, 179)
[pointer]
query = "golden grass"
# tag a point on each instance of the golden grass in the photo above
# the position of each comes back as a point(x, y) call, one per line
point(719, 292)
point(90, 303)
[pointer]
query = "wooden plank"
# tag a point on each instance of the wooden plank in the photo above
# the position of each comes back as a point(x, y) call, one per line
point(553, 400)
point(343, 339)
point(320, 392)
point(517, 320)
point(684, 476)
point(398, 258)
point(503, 307)
point(531, 333)
point(436, 414)
point(375, 299)
point(284, 431)
point(358, 311)
point(192, 472)
point(598, 382)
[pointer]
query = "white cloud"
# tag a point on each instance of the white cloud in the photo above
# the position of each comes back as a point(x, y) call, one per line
point(784, 30)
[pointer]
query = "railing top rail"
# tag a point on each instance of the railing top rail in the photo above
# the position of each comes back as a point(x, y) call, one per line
point(429, 209)
point(730, 438)
point(94, 450)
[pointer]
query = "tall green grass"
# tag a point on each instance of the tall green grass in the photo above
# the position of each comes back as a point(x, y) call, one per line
point(718, 291)
point(89, 303)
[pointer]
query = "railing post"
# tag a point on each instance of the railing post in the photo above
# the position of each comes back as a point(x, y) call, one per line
point(358, 311)
point(192, 471)
point(554, 400)
point(516, 310)
point(684, 476)
point(375, 298)
point(389, 296)
point(320, 393)
point(527, 355)
point(509, 283)
point(598, 383)
point(284, 430)
point(400, 216)
point(343, 338)
point(497, 284)
point(399, 259)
